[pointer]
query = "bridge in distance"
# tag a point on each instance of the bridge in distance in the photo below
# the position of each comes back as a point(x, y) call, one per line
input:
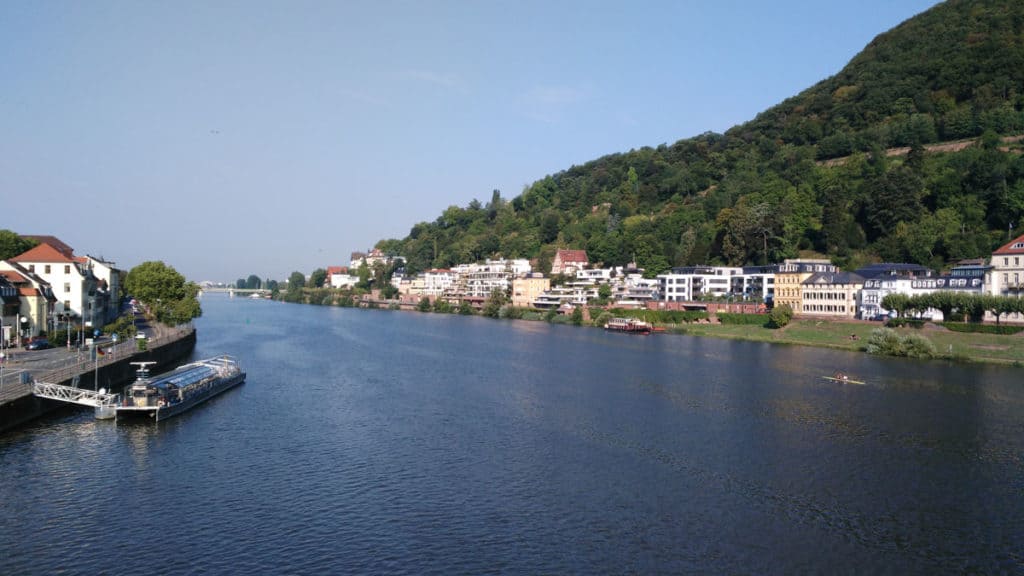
point(233, 291)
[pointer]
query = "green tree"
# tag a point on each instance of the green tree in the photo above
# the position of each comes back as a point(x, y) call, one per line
point(254, 282)
point(577, 315)
point(900, 303)
point(164, 291)
point(492, 307)
point(241, 284)
point(296, 282)
point(364, 276)
point(779, 316)
point(424, 304)
point(11, 244)
point(317, 278)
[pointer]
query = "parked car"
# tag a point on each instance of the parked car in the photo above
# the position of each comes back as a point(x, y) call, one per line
point(40, 344)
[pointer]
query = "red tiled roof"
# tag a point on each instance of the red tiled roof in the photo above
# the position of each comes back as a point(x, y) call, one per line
point(1015, 246)
point(572, 255)
point(13, 276)
point(53, 241)
point(42, 253)
point(336, 270)
point(28, 291)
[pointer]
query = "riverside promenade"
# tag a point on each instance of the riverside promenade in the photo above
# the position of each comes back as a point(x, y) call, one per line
point(111, 370)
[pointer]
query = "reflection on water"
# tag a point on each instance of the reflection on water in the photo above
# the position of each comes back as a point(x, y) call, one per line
point(382, 442)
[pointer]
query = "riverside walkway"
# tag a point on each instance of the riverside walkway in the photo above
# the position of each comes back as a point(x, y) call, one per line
point(19, 373)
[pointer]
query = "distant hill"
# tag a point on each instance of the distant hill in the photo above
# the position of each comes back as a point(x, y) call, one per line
point(765, 190)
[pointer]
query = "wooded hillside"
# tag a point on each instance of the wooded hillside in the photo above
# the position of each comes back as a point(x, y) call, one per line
point(760, 192)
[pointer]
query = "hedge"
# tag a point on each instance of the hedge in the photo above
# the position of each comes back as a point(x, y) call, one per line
point(744, 319)
point(983, 328)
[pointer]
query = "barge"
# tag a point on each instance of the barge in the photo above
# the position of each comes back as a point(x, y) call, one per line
point(172, 393)
point(629, 325)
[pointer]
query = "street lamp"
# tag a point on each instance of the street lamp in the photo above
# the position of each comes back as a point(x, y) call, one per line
point(21, 328)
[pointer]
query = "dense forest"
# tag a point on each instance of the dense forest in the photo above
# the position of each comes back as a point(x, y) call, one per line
point(816, 174)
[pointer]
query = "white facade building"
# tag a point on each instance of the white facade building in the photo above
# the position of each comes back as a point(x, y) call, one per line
point(689, 283)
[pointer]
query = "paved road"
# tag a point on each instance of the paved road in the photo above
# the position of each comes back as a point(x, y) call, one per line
point(18, 361)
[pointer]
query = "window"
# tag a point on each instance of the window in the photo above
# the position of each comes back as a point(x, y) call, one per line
point(67, 287)
point(31, 267)
point(67, 268)
point(46, 269)
point(67, 306)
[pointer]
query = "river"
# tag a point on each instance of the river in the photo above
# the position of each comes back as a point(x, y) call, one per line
point(376, 442)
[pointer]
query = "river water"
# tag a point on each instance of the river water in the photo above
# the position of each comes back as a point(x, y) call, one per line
point(375, 442)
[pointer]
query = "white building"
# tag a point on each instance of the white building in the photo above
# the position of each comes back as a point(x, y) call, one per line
point(108, 288)
point(1007, 274)
point(479, 280)
point(341, 280)
point(70, 278)
point(688, 283)
point(577, 295)
point(436, 281)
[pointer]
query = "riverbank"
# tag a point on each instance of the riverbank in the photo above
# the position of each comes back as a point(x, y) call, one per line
point(166, 352)
point(853, 336)
point(849, 335)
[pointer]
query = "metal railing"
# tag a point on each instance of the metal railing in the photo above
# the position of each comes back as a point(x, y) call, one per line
point(83, 364)
point(73, 395)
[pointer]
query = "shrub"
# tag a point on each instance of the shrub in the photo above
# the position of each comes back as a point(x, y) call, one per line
point(602, 318)
point(884, 342)
point(917, 346)
point(887, 342)
point(424, 304)
point(780, 316)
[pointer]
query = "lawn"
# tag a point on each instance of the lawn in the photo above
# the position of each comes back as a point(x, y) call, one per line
point(854, 336)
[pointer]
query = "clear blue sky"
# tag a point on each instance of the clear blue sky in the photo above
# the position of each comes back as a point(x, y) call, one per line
point(237, 138)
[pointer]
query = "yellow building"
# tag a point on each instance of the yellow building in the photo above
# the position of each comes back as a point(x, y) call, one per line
point(527, 288)
point(791, 275)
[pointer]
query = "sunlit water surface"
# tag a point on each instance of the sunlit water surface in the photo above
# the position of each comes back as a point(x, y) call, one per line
point(373, 442)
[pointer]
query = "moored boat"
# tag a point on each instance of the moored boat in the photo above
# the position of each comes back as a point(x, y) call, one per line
point(630, 325)
point(172, 393)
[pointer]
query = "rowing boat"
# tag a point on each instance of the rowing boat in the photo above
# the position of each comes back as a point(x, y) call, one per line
point(843, 380)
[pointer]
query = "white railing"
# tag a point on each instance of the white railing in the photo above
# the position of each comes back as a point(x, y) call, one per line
point(82, 364)
point(73, 395)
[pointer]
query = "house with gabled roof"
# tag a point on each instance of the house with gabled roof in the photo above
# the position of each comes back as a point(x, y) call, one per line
point(1007, 272)
point(830, 294)
point(70, 278)
point(25, 296)
point(108, 286)
point(569, 261)
point(1006, 277)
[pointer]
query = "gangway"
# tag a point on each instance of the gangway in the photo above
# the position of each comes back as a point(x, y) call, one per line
point(103, 402)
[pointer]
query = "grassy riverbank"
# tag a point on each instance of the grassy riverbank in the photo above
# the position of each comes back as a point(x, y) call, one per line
point(853, 336)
